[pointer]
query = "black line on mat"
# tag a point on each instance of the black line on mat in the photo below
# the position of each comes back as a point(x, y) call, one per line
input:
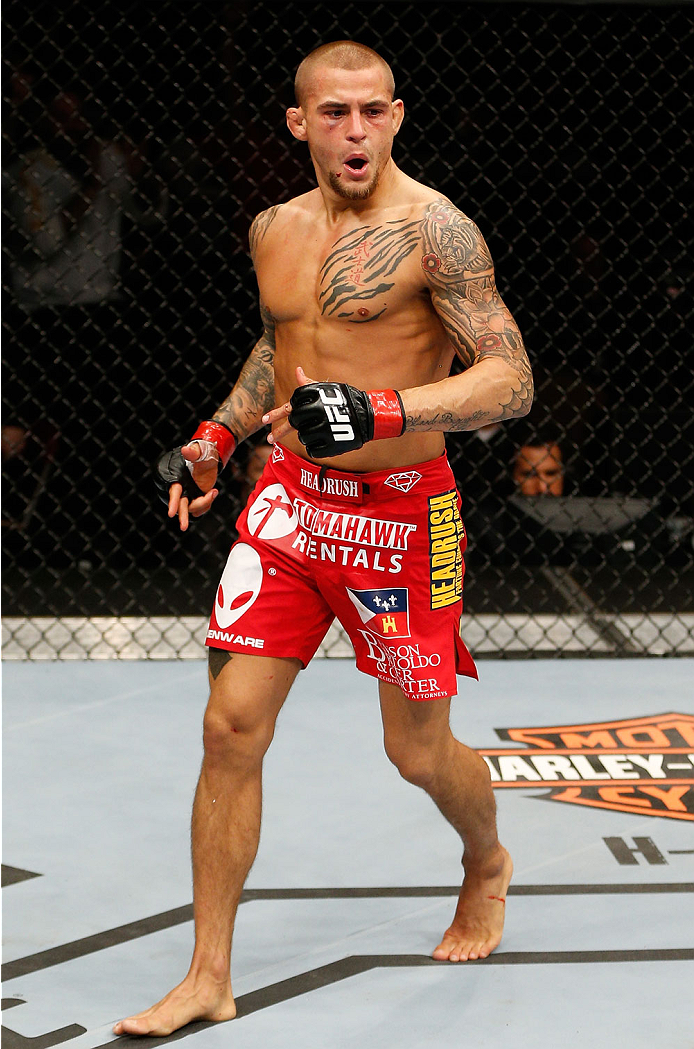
point(12, 1040)
point(334, 972)
point(342, 969)
point(11, 875)
point(167, 919)
point(98, 942)
point(405, 891)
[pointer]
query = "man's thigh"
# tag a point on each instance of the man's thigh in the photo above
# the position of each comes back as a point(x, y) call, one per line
point(248, 690)
point(406, 721)
point(267, 602)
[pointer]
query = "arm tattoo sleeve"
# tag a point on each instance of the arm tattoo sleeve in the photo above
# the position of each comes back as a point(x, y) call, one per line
point(254, 392)
point(460, 275)
point(259, 228)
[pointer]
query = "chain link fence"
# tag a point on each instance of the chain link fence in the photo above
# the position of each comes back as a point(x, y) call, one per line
point(140, 139)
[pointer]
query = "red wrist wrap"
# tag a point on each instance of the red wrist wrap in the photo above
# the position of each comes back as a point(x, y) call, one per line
point(220, 435)
point(389, 414)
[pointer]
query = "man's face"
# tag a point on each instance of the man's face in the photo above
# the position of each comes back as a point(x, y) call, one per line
point(538, 470)
point(349, 122)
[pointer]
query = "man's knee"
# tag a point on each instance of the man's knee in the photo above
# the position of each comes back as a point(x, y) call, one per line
point(239, 722)
point(417, 763)
point(231, 736)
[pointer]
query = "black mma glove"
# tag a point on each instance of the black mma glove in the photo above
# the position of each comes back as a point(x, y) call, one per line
point(216, 442)
point(170, 469)
point(332, 418)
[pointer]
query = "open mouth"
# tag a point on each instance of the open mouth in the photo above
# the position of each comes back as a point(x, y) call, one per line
point(356, 165)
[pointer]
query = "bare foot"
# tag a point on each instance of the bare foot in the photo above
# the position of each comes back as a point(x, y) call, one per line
point(479, 917)
point(185, 1003)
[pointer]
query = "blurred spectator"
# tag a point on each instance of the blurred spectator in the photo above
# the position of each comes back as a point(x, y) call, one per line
point(27, 459)
point(14, 476)
point(538, 469)
point(527, 461)
point(67, 198)
point(71, 359)
point(22, 111)
point(14, 439)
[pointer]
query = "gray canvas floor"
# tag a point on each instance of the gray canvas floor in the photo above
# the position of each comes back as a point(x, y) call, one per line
point(356, 875)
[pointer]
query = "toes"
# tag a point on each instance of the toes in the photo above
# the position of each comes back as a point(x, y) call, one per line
point(450, 952)
point(443, 951)
point(457, 951)
point(461, 952)
point(129, 1026)
point(137, 1025)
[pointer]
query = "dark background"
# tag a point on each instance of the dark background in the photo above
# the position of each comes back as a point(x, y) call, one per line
point(559, 129)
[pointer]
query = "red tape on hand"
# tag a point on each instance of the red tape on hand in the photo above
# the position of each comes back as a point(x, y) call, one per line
point(220, 435)
point(389, 415)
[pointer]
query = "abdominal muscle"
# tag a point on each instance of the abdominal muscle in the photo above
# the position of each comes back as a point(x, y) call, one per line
point(368, 360)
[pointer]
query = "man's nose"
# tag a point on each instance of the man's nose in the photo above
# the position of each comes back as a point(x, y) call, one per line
point(355, 128)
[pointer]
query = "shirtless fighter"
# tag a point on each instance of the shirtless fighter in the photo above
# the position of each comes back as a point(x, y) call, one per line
point(369, 285)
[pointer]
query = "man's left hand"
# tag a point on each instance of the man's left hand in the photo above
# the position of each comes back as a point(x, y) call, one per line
point(332, 418)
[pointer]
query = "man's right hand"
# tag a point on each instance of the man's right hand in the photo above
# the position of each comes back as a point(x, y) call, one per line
point(190, 492)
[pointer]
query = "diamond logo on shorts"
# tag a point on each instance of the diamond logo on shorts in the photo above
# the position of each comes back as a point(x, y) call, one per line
point(403, 481)
point(383, 612)
point(277, 454)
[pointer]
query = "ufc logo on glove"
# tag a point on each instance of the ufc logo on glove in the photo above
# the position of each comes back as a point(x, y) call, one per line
point(337, 411)
point(332, 417)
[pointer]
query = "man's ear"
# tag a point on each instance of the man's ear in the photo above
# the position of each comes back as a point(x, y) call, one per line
point(296, 122)
point(398, 110)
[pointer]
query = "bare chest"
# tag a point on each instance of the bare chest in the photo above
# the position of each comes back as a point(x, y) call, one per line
point(369, 274)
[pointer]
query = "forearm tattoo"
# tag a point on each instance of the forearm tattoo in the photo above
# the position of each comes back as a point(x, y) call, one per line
point(460, 274)
point(254, 392)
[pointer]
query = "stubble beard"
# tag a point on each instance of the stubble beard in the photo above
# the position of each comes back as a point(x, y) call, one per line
point(352, 192)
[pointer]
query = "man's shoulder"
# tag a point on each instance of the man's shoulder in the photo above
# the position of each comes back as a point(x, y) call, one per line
point(439, 208)
point(276, 219)
point(444, 223)
point(430, 204)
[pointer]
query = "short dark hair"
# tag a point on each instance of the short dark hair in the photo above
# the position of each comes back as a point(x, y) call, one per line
point(339, 54)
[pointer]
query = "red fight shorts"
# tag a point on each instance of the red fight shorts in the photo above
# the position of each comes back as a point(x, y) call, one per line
point(382, 551)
